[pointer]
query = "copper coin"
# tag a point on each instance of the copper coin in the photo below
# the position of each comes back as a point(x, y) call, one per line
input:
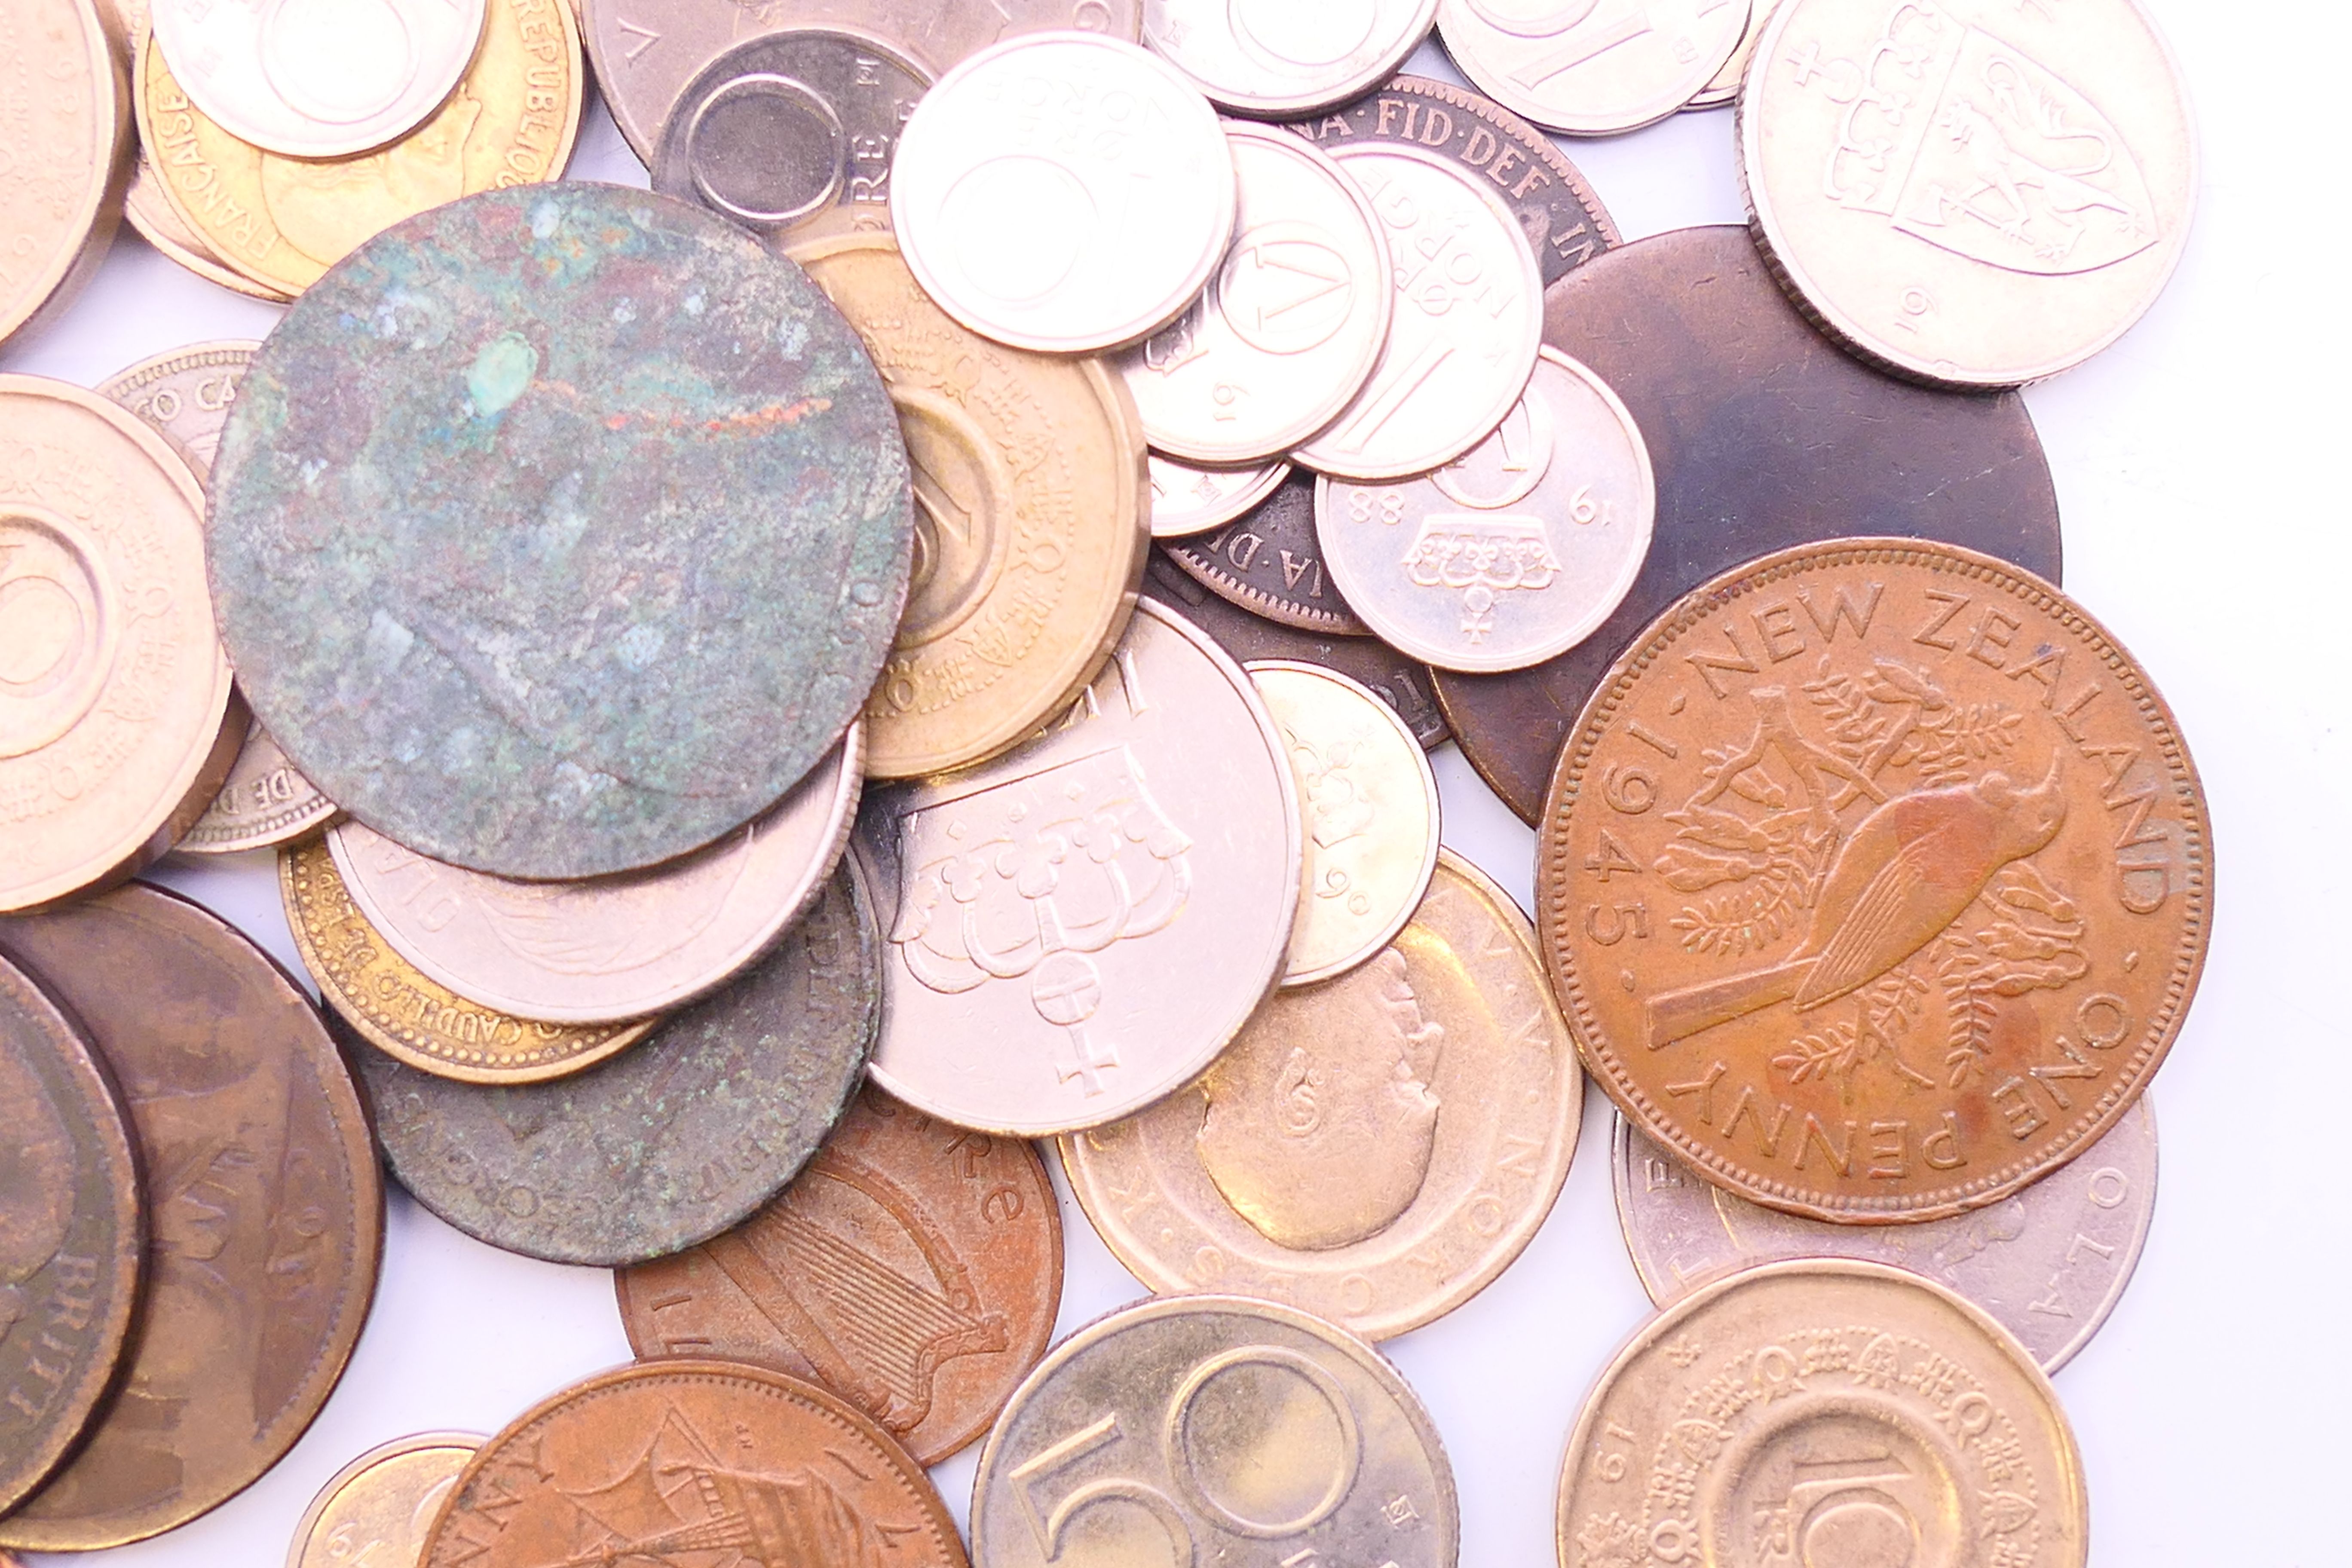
point(376, 1510)
point(1875, 879)
point(1761, 436)
point(914, 1267)
point(71, 1233)
point(69, 125)
point(693, 1462)
point(1269, 562)
point(266, 1205)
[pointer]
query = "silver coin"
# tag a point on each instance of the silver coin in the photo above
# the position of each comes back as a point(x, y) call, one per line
point(1515, 551)
point(1468, 318)
point(1586, 68)
point(1724, 89)
point(1288, 329)
point(1186, 500)
point(791, 130)
point(1064, 194)
point(1287, 56)
point(2049, 1263)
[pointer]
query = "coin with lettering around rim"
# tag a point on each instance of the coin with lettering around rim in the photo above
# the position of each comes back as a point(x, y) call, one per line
point(1188, 500)
point(1590, 72)
point(185, 394)
point(378, 1509)
point(1270, 563)
point(1724, 89)
point(1272, 58)
point(69, 137)
point(148, 208)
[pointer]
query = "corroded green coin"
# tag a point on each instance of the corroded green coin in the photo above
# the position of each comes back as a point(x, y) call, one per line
point(559, 531)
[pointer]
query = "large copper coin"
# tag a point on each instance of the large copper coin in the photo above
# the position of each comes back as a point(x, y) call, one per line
point(693, 1462)
point(71, 1233)
point(1761, 436)
point(1875, 879)
point(583, 553)
point(68, 120)
point(669, 1143)
point(913, 1268)
point(266, 1205)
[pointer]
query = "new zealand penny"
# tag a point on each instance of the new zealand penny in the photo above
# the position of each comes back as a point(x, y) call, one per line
point(71, 1233)
point(2049, 1264)
point(1376, 1149)
point(678, 1461)
point(1271, 60)
point(693, 430)
point(1758, 440)
point(1874, 878)
point(265, 1204)
point(913, 1268)
point(1592, 70)
point(1031, 518)
point(398, 1009)
point(1186, 499)
point(114, 693)
point(666, 1144)
point(1243, 1430)
point(64, 126)
point(1974, 194)
point(1270, 563)
point(1827, 1412)
point(376, 1511)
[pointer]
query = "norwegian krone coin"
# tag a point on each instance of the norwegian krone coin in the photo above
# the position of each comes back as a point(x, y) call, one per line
point(1876, 878)
point(1272, 58)
point(377, 1510)
point(1187, 500)
point(66, 124)
point(1723, 87)
point(1593, 70)
point(1269, 562)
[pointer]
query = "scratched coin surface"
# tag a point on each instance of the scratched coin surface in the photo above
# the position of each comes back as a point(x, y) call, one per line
point(1270, 563)
point(65, 125)
point(1876, 878)
point(1723, 87)
point(1981, 193)
point(1215, 1428)
point(666, 1144)
point(1105, 904)
point(1591, 69)
point(1468, 318)
point(692, 429)
point(913, 1268)
point(1513, 551)
point(376, 1511)
point(1187, 500)
point(72, 1232)
point(2049, 1264)
point(265, 1211)
point(1376, 1149)
point(1270, 58)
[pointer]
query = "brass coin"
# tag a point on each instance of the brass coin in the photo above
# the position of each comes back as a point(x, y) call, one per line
point(1823, 1412)
point(1033, 519)
point(1376, 1149)
point(150, 211)
point(376, 1511)
point(1875, 879)
point(66, 127)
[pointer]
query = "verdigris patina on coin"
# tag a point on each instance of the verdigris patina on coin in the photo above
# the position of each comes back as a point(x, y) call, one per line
point(560, 530)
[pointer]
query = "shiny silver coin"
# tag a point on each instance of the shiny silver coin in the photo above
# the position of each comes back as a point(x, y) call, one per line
point(1287, 56)
point(1187, 501)
point(1590, 70)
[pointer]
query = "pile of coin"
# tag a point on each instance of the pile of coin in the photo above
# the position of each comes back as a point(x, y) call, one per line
point(920, 633)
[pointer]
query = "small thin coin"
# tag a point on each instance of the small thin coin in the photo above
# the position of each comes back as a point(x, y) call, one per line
point(1468, 318)
point(1377, 1149)
point(1248, 1426)
point(69, 126)
point(1288, 329)
point(1369, 804)
point(913, 1268)
point(1515, 551)
point(1592, 70)
point(1106, 905)
point(1186, 499)
point(1270, 563)
point(1844, 1411)
point(148, 208)
point(1119, 172)
point(376, 1511)
point(666, 1144)
point(1724, 89)
point(1273, 57)
point(2049, 1264)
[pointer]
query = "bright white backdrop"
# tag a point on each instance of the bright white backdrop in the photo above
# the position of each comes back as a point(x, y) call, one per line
point(2196, 466)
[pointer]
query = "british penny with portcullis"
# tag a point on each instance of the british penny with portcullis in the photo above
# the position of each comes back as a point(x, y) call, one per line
point(376, 1510)
point(68, 125)
point(1188, 500)
point(1271, 60)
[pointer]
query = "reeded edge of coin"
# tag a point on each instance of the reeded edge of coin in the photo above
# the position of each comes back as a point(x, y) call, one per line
point(275, 832)
point(1265, 482)
point(96, 219)
point(470, 1442)
point(1277, 106)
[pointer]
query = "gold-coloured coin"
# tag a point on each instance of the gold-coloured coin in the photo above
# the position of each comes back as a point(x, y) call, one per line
point(377, 1510)
point(411, 1017)
point(1032, 520)
point(156, 221)
point(64, 124)
point(1823, 1412)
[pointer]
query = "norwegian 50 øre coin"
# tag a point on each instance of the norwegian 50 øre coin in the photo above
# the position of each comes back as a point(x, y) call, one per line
point(1876, 878)
point(376, 1511)
point(1592, 70)
point(1186, 499)
point(63, 127)
point(487, 570)
point(1272, 58)
point(1270, 563)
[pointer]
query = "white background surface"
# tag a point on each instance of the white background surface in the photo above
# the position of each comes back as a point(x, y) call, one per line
point(2204, 521)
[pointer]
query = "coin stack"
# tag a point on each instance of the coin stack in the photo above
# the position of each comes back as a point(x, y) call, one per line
point(920, 633)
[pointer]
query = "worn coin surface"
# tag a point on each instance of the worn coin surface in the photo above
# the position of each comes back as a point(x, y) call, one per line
point(2049, 1264)
point(1512, 552)
point(1723, 87)
point(666, 1144)
point(693, 1460)
point(72, 1230)
point(264, 1205)
point(1376, 1149)
point(1982, 193)
point(1105, 904)
point(376, 1511)
point(1186, 499)
point(1468, 318)
point(1244, 1429)
point(64, 126)
point(913, 1268)
point(1119, 173)
point(692, 430)
point(1588, 69)
point(1761, 437)
point(1272, 58)
point(1876, 878)
point(1270, 563)
point(1030, 521)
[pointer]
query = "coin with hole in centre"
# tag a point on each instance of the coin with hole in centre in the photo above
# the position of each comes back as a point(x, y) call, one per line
point(378, 1509)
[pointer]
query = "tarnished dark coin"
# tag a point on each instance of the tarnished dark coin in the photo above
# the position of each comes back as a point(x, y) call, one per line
point(1762, 435)
point(669, 1143)
point(264, 1205)
point(1269, 561)
point(581, 553)
point(71, 1233)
